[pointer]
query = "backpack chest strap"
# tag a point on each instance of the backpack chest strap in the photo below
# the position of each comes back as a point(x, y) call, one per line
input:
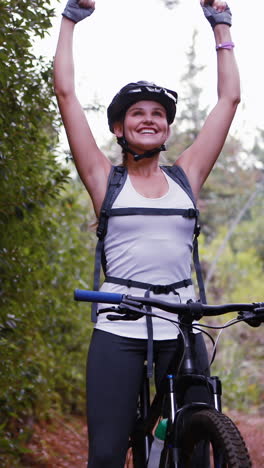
point(185, 212)
point(155, 288)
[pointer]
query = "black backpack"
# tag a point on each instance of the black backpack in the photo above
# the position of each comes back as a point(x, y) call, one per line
point(116, 181)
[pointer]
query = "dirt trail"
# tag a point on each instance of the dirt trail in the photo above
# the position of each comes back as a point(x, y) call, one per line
point(63, 443)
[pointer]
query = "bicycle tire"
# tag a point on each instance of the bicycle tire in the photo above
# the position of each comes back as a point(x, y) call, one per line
point(227, 447)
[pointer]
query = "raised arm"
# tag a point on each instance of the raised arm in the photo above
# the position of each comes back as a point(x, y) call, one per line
point(93, 167)
point(199, 158)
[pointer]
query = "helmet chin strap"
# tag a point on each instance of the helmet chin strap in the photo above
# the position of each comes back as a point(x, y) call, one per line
point(137, 157)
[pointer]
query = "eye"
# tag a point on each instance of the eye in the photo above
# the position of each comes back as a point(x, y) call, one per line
point(159, 113)
point(137, 112)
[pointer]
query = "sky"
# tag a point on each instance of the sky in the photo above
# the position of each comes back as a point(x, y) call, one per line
point(126, 41)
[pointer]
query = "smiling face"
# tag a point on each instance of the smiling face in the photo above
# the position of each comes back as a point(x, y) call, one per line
point(145, 125)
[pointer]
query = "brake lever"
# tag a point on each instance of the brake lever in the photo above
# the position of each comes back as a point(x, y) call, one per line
point(251, 318)
point(126, 311)
point(127, 316)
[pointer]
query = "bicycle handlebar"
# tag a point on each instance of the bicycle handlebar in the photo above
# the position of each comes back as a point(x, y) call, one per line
point(97, 296)
point(196, 308)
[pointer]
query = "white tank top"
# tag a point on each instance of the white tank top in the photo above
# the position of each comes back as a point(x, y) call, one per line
point(151, 249)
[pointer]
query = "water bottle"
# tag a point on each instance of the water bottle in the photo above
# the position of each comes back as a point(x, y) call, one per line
point(157, 444)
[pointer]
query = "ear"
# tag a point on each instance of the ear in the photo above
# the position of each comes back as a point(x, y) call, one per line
point(118, 129)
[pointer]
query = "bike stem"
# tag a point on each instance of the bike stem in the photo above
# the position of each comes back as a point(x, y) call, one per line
point(188, 368)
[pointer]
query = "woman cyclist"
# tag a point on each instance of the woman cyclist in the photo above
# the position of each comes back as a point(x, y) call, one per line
point(140, 249)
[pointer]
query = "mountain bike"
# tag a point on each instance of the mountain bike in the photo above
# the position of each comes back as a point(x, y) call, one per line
point(195, 430)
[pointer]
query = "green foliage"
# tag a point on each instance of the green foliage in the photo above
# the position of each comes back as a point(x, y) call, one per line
point(240, 370)
point(238, 278)
point(231, 246)
point(44, 334)
point(26, 112)
point(250, 230)
point(45, 246)
point(228, 188)
point(238, 275)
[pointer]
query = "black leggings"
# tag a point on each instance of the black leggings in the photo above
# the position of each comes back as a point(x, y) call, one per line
point(114, 375)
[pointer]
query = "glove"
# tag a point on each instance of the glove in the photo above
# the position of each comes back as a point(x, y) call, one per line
point(217, 17)
point(74, 12)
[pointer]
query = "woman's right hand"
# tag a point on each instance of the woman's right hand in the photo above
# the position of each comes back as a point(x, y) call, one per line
point(77, 10)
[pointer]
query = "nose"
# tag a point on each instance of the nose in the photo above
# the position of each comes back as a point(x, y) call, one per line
point(148, 118)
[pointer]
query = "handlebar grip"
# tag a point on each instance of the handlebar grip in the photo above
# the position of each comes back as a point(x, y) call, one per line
point(97, 296)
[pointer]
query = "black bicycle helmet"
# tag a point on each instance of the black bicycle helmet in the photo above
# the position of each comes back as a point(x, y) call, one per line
point(141, 91)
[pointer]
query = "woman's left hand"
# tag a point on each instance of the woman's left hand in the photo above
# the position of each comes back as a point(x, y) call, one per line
point(216, 12)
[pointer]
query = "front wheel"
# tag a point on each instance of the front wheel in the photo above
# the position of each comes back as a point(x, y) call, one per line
point(211, 440)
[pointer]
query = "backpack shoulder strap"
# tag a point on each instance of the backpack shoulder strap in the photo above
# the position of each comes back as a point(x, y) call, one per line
point(116, 181)
point(179, 176)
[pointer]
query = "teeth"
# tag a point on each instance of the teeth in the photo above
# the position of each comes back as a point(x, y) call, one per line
point(148, 131)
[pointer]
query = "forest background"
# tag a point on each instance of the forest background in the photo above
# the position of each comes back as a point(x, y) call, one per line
point(47, 246)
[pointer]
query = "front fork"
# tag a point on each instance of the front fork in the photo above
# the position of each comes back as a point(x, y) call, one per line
point(170, 453)
point(216, 386)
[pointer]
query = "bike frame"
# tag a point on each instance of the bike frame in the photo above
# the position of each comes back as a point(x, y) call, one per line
point(176, 384)
point(185, 376)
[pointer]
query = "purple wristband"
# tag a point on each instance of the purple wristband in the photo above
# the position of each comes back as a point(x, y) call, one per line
point(225, 45)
